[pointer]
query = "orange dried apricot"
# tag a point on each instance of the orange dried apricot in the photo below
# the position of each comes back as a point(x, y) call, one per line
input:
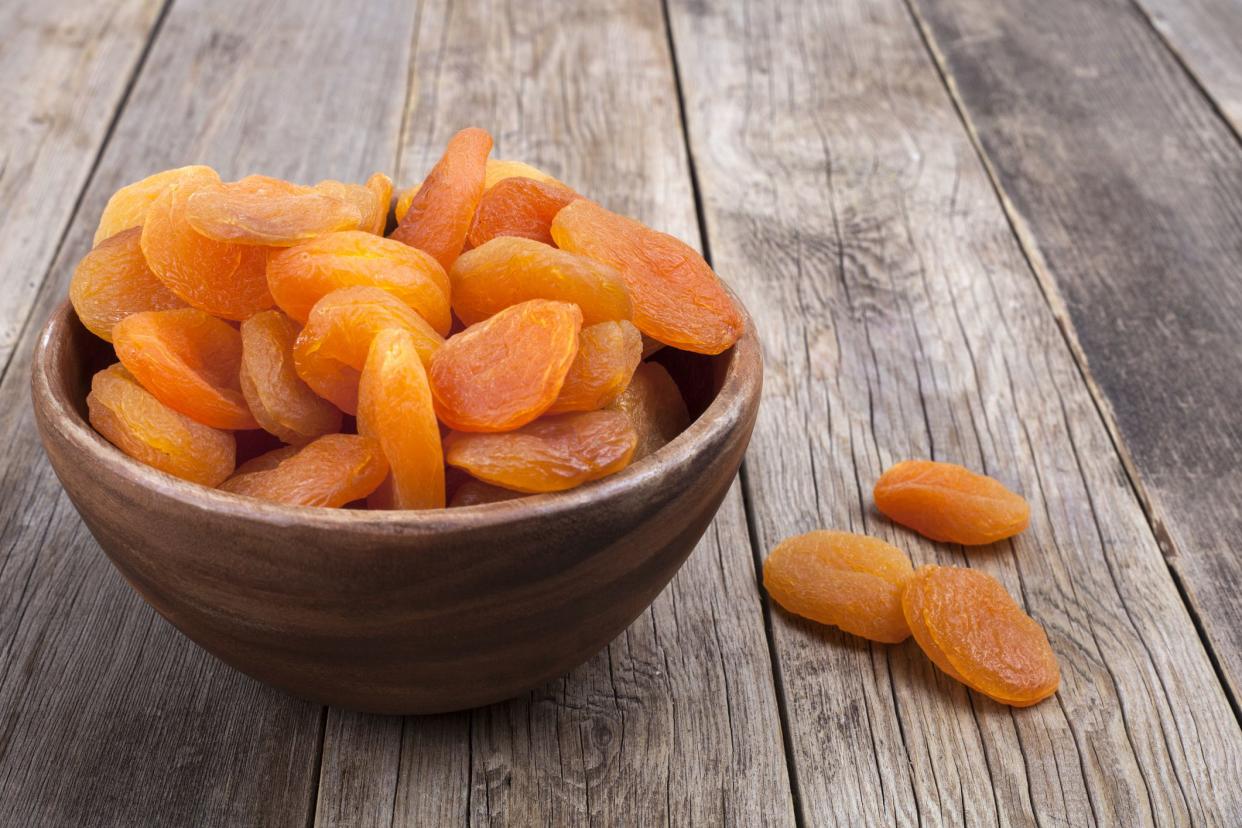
point(128, 206)
point(113, 281)
point(947, 502)
point(973, 630)
point(440, 213)
point(549, 455)
point(259, 210)
point(608, 353)
point(654, 406)
point(280, 401)
point(475, 492)
point(332, 348)
point(498, 169)
point(371, 200)
point(329, 471)
point(190, 361)
point(519, 207)
point(509, 270)
point(302, 275)
point(504, 372)
point(842, 579)
point(133, 420)
point(394, 407)
point(677, 298)
point(404, 200)
point(266, 461)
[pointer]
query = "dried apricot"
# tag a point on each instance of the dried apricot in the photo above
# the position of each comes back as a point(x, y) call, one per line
point(259, 210)
point(504, 372)
point(331, 350)
point(439, 216)
point(394, 407)
point(190, 361)
point(134, 421)
point(329, 471)
point(839, 578)
point(509, 270)
point(549, 455)
point(404, 200)
point(655, 407)
point(608, 353)
point(947, 502)
point(475, 492)
point(498, 169)
point(302, 275)
point(371, 199)
point(266, 461)
point(129, 205)
point(113, 281)
point(677, 298)
point(280, 401)
point(519, 207)
point(974, 631)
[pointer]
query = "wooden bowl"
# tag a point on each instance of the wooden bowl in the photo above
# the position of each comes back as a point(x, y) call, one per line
point(400, 612)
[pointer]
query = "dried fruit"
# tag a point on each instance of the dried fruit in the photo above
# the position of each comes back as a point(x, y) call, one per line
point(259, 210)
point(371, 200)
point(509, 270)
point(394, 407)
point(655, 407)
point(499, 169)
point(677, 298)
point(267, 460)
point(608, 353)
point(475, 492)
point(330, 471)
point(839, 578)
point(280, 401)
point(947, 502)
point(129, 205)
point(972, 629)
point(439, 216)
point(549, 455)
point(519, 207)
point(188, 360)
point(332, 348)
point(504, 372)
point(220, 278)
point(134, 421)
point(113, 281)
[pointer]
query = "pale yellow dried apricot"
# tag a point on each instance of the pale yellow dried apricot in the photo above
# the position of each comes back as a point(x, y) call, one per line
point(259, 210)
point(128, 206)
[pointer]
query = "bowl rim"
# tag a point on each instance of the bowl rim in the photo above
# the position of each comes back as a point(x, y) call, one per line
point(740, 389)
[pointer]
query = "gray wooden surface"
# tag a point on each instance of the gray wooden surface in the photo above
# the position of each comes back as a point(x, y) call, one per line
point(1005, 234)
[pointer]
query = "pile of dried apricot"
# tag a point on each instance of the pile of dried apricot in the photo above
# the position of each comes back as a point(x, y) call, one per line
point(501, 328)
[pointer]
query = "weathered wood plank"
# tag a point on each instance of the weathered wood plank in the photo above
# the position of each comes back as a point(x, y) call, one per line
point(899, 318)
point(66, 66)
point(1126, 190)
point(677, 721)
point(110, 717)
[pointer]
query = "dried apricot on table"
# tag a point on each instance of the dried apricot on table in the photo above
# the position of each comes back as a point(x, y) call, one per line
point(677, 298)
point(947, 502)
point(280, 401)
point(113, 281)
point(974, 631)
point(394, 407)
point(509, 270)
point(128, 206)
point(440, 213)
point(475, 492)
point(519, 207)
point(504, 372)
point(329, 471)
point(608, 354)
point(259, 210)
point(549, 455)
point(133, 420)
point(300, 276)
point(654, 405)
point(843, 579)
point(190, 361)
point(499, 169)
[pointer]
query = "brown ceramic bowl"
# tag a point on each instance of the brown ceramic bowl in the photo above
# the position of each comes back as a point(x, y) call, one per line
point(400, 612)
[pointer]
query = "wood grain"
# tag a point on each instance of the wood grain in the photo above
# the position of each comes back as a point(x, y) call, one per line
point(111, 717)
point(1126, 190)
point(899, 318)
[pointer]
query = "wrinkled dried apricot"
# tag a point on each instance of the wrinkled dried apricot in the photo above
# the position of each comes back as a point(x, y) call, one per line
point(371, 199)
point(509, 270)
point(260, 210)
point(973, 630)
point(329, 471)
point(519, 207)
point(128, 206)
point(440, 213)
point(842, 579)
point(507, 370)
point(190, 361)
point(947, 502)
point(394, 407)
point(475, 492)
point(220, 278)
point(332, 348)
point(498, 169)
point(280, 401)
point(302, 275)
point(549, 455)
point(655, 407)
point(677, 298)
point(134, 421)
point(113, 281)
point(266, 461)
point(608, 353)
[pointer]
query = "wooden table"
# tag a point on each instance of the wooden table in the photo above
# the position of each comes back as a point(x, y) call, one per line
point(1006, 233)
